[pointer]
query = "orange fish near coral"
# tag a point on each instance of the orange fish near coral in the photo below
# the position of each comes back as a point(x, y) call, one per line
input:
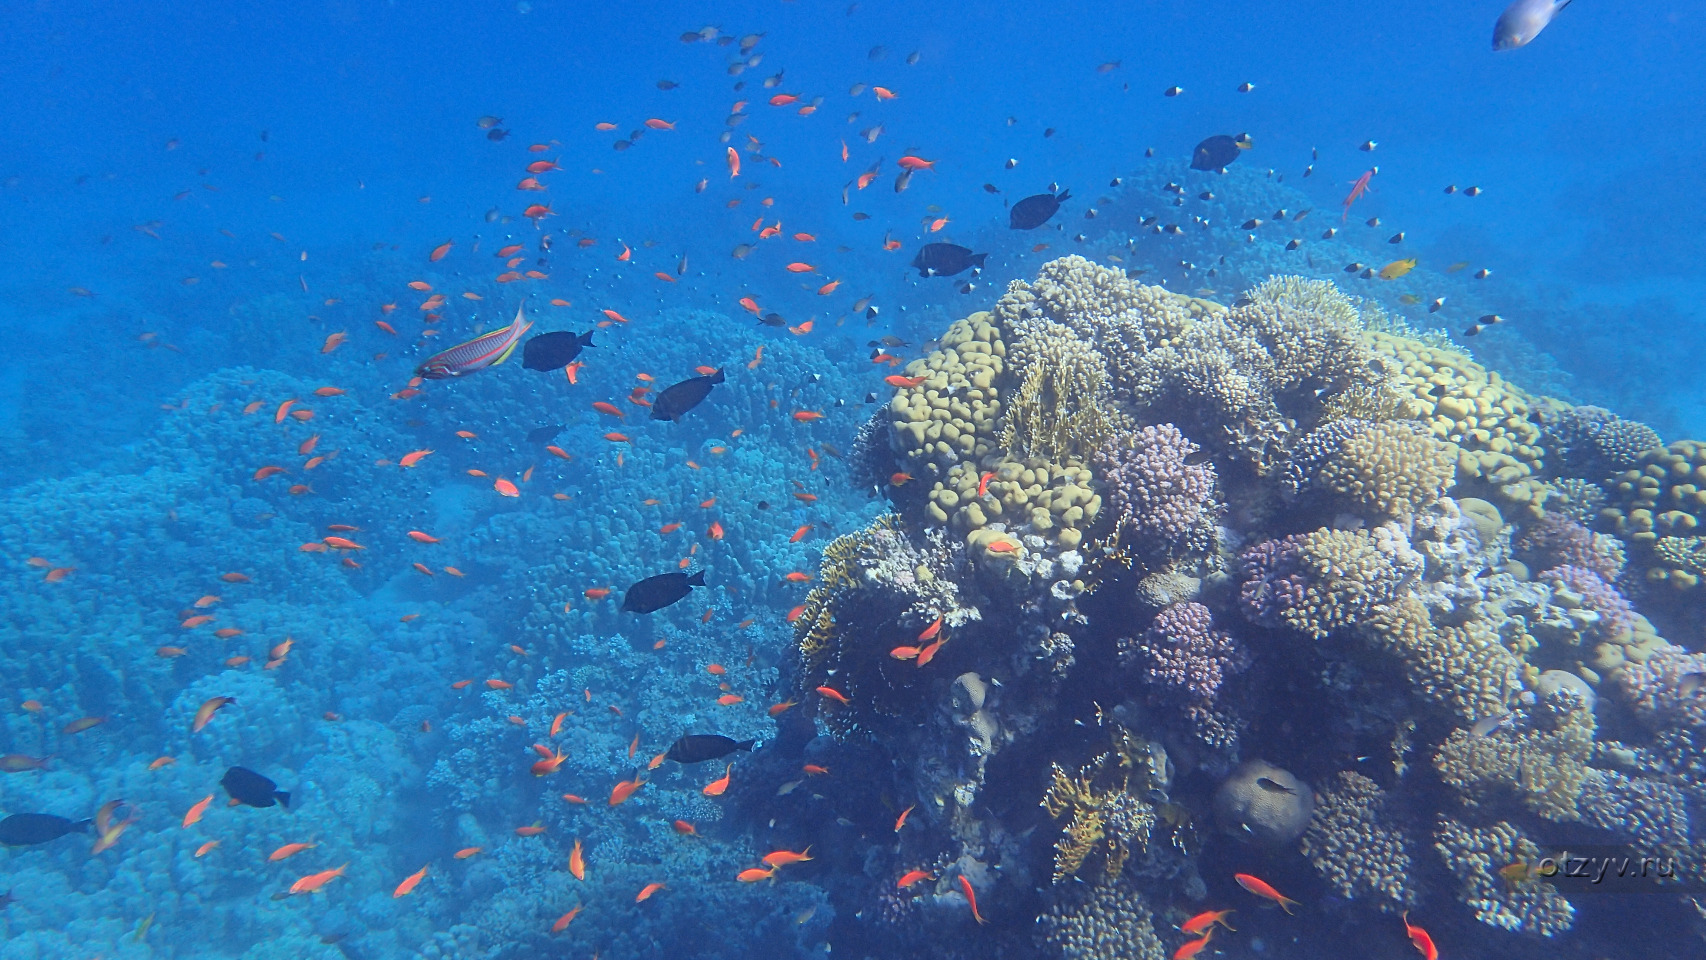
point(911, 877)
point(971, 898)
point(1420, 939)
point(647, 891)
point(409, 883)
point(1260, 888)
point(317, 881)
point(1191, 948)
point(195, 812)
point(716, 787)
point(204, 713)
point(577, 862)
point(622, 791)
point(1202, 922)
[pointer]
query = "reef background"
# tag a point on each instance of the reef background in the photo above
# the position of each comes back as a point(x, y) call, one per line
point(121, 466)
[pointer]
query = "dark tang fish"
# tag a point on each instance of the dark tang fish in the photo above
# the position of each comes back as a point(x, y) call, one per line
point(544, 434)
point(554, 351)
point(655, 593)
point(945, 259)
point(1215, 153)
point(248, 787)
point(699, 747)
point(27, 829)
point(681, 397)
point(1032, 212)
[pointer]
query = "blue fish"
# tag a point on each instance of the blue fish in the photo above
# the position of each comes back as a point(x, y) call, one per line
point(1523, 20)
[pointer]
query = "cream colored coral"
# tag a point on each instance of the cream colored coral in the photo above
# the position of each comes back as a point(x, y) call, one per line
point(1390, 469)
point(952, 415)
point(1466, 668)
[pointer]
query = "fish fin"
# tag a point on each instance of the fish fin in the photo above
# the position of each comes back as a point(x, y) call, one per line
point(283, 797)
point(697, 579)
point(507, 351)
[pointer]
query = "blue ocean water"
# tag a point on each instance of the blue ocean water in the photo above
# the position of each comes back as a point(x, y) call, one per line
point(209, 210)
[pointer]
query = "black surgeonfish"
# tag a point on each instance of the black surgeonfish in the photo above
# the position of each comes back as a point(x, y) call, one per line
point(679, 398)
point(554, 351)
point(1032, 212)
point(655, 593)
point(544, 434)
point(945, 259)
point(250, 788)
point(699, 747)
point(1215, 153)
point(29, 829)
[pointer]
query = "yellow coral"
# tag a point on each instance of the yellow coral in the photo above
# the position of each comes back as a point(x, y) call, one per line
point(1660, 506)
point(1467, 668)
point(1546, 768)
point(1390, 469)
point(1104, 816)
point(1461, 401)
point(1059, 408)
point(952, 415)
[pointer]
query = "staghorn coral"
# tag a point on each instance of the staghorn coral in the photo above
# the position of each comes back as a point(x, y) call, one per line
point(1387, 469)
point(1164, 504)
point(1475, 855)
point(1103, 921)
point(1058, 408)
point(1102, 816)
point(1320, 582)
point(1357, 843)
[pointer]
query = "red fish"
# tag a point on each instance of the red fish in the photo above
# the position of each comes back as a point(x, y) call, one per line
point(1260, 888)
point(1191, 948)
point(409, 883)
point(316, 881)
point(834, 694)
point(647, 891)
point(1358, 188)
point(916, 163)
point(195, 812)
point(1420, 939)
point(1204, 921)
point(911, 877)
point(622, 791)
point(486, 350)
point(971, 898)
point(564, 920)
point(439, 251)
point(716, 787)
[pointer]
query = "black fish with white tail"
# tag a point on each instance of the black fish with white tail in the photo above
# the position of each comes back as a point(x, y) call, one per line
point(945, 259)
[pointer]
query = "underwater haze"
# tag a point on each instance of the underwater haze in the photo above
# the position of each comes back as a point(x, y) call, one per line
point(1076, 481)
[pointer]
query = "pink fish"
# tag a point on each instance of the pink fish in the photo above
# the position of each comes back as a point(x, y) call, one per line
point(485, 350)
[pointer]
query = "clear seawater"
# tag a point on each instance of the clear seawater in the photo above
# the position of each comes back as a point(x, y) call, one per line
point(195, 196)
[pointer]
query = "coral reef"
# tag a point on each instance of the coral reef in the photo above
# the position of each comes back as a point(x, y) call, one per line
point(1104, 921)
point(1358, 844)
point(1162, 502)
point(1662, 498)
point(1326, 580)
point(1476, 854)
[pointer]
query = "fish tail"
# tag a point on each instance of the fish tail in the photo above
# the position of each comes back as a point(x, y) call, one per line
point(1065, 195)
point(746, 745)
point(83, 825)
point(696, 580)
point(283, 797)
point(718, 376)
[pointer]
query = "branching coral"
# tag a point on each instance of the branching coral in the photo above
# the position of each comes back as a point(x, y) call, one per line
point(1465, 668)
point(1545, 763)
point(1103, 921)
point(1358, 845)
point(1326, 580)
point(1184, 661)
point(1386, 469)
point(1553, 540)
point(1102, 816)
point(1594, 442)
point(1164, 503)
point(1476, 854)
point(1310, 331)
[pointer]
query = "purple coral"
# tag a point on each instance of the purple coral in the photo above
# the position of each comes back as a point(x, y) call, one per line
point(1615, 613)
point(1183, 654)
point(1661, 691)
point(1274, 580)
point(1163, 501)
point(1553, 541)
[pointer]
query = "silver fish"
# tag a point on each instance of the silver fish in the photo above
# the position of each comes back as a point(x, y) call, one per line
point(1523, 20)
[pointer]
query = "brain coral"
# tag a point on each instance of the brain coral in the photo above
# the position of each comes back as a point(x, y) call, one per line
point(952, 415)
point(1164, 504)
point(1358, 845)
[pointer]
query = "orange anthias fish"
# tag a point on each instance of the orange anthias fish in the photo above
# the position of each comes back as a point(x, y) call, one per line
point(1358, 188)
point(1191, 948)
point(782, 858)
point(409, 883)
point(971, 898)
point(900, 821)
point(485, 350)
point(911, 877)
point(734, 163)
point(755, 874)
point(205, 712)
point(315, 881)
point(716, 787)
point(564, 920)
point(1260, 888)
point(551, 764)
point(647, 891)
point(1200, 923)
point(1420, 939)
point(896, 380)
point(577, 862)
point(622, 791)
point(289, 850)
point(195, 812)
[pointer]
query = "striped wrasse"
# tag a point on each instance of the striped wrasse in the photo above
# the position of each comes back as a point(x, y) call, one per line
point(485, 350)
